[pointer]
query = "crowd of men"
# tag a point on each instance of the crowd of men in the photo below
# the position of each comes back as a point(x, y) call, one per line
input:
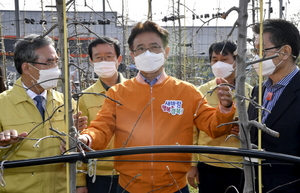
point(150, 109)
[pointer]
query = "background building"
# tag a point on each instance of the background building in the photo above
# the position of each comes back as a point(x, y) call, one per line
point(189, 44)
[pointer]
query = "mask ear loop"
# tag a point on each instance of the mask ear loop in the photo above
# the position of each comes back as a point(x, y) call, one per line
point(34, 83)
point(285, 53)
point(234, 67)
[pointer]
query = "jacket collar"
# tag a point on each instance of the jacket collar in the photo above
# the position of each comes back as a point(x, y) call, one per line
point(140, 79)
point(20, 94)
point(287, 97)
point(98, 87)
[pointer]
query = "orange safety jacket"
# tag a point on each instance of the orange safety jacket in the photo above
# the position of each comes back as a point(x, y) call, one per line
point(162, 114)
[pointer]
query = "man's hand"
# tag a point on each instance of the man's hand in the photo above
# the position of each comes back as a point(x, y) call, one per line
point(235, 129)
point(80, 122)
point(82, 190)
point(83, 138)
point(193, 177)
point(224, 93)
point(8, 137)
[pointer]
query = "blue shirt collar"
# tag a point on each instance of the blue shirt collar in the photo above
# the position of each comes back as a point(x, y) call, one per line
point(152, 82)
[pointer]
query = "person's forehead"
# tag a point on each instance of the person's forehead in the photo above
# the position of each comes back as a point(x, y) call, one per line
point(266, 40)
point(103, 49)
point(221, 55)
point(147, 38)
point(46, 53)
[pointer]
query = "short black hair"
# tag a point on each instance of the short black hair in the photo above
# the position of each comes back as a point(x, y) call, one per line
point(148, 26)
point(225, 47)
point(104, 40)
point(282, 32)
point(25, 49)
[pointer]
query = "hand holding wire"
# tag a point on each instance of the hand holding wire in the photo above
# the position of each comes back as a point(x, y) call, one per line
point(8, 137)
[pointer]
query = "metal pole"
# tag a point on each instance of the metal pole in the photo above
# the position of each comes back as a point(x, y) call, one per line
point(280, 9)
point(269, 16)
point(3, 55)
point(253, 11)
point(150, 10)
point(104, 29)
point(17, 15)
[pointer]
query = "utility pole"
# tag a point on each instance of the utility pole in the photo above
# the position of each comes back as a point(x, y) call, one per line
point(123, 29)
point(104, 28)
point(269, 15)
point(124, 32)
point(181, 75)
point(184, 43)
point(280, 9)
point(79, 55)
point(150, 10)
point(17, 15)
point(3, 54)
point(43, 15)
point(177, 38)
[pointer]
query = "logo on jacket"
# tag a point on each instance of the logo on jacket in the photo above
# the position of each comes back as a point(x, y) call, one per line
point(172, 107)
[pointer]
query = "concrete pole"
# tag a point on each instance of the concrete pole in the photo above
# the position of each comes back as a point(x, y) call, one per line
point(104, 29)
point(280, 9)
point(17, 15)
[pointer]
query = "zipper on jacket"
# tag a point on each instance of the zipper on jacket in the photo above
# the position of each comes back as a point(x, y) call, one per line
point(152, 137)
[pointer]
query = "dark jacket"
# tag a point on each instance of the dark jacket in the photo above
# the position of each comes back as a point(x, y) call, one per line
point(284, 118)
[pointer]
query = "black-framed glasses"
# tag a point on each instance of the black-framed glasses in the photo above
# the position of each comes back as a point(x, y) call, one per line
point(141, 49)
point(48, 63)
point(264, 51)
point(105, 58)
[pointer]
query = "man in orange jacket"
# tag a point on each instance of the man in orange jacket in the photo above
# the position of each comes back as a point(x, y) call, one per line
point(156, 109)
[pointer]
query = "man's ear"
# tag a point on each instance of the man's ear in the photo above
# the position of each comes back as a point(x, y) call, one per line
point(25, 68)
point(167, 51)
point(287, 50)
point(120, 59)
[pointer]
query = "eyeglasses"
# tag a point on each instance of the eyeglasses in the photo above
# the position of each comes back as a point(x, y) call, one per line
point(105, 58)
point(54, 63)
point(142, 49)
point(255, 51)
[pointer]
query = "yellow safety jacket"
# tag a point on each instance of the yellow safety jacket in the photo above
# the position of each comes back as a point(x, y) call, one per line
point(89, 105)
point(18, 111)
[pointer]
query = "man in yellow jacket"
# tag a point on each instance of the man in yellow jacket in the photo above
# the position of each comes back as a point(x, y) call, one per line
point(105, 55)
point(223, 170)
point(31, 110)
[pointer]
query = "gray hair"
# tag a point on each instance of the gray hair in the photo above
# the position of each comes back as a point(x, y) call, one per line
point(25, 49)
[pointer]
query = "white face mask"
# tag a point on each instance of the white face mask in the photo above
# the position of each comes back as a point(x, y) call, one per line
point(149, 62)
point(51, 73)
point(105, 69)
point(268, 66)
point(222, 69)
